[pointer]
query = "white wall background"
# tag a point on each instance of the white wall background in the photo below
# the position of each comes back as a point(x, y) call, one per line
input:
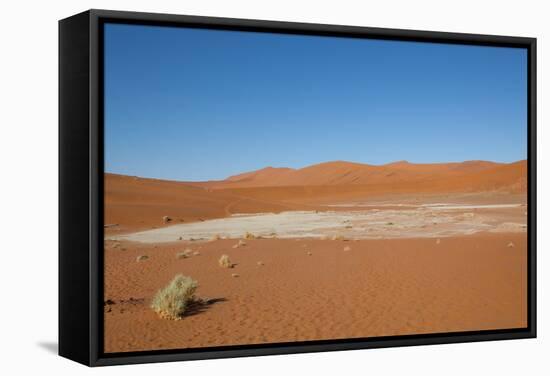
point(28, 173)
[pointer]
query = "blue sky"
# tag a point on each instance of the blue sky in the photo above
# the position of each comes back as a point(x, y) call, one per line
point(192, 104)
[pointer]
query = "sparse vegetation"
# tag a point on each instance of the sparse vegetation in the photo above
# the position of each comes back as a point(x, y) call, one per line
point(249, 235)
point(184, 254)
point(142, 258)
point(171, 301)
point(225, 262)
point(241, 243)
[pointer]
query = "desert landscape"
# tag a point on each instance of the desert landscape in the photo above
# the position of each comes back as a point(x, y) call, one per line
point(264, 187)
point(332, 250)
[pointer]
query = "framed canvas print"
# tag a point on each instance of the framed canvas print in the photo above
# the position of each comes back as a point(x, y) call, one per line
point(238, 187)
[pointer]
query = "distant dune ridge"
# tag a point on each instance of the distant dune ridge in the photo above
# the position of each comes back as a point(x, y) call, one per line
point(472, 175)
point(138, 203)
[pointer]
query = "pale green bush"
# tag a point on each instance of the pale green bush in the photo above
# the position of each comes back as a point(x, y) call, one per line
point(171, 301)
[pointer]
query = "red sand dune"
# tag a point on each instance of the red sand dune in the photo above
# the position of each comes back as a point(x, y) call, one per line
point(345, 173)
point(138, 203)
point(289, 290)
point(133, 203)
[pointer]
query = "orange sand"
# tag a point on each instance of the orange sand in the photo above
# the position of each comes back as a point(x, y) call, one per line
point(378, 288)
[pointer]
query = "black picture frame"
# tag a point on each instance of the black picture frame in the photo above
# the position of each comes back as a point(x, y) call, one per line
point(81, 186)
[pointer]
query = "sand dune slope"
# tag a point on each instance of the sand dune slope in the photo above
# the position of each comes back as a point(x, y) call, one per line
point(133, 203)
point(136, 203)
point(477, 175)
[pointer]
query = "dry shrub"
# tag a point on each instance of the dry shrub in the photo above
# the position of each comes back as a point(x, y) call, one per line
point(171, 301)
point(249, 235)
point(183, 254)
point(225, 262)
point(241, 243)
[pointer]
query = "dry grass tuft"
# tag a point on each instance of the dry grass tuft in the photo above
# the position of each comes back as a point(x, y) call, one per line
point(171, 301)
point(142, 258)
point(249, 236)
point(183, 254)
point(215, 237)
point(241, 243)
point(225, 262)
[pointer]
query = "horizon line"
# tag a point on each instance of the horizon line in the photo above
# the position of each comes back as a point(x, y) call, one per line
point(403, 161)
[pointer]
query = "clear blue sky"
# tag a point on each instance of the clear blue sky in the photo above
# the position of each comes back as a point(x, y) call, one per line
point(190, 104)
